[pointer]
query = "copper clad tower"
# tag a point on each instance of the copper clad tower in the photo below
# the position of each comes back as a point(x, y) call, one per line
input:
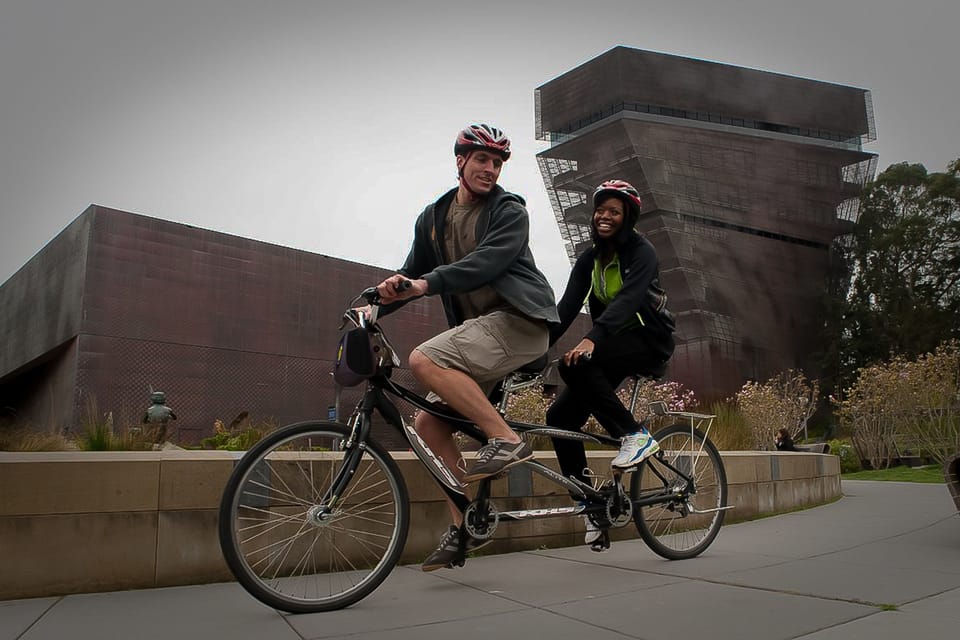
point(746, 177)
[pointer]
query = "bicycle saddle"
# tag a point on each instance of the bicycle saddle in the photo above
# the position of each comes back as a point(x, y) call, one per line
point(535, 366)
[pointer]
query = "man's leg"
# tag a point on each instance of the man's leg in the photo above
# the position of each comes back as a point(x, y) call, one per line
point(455, 364)
point(439, 437)
point(462, 394)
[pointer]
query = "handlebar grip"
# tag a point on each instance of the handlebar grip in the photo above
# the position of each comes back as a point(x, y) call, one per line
point(403, 285)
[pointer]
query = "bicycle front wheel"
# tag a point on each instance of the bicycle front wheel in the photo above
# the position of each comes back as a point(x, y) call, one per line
point(294, 545)
point(684, 518)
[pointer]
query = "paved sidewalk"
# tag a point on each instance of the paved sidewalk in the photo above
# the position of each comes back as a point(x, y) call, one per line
point(883, 562)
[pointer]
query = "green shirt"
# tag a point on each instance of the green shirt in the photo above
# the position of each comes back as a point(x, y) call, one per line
point(606, 284)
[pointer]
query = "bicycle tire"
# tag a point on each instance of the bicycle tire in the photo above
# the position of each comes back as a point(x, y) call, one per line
point(278, 547)
point(669, 528)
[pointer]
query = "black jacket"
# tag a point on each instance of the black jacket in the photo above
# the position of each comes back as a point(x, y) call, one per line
point(502, 258)
point(641, 293)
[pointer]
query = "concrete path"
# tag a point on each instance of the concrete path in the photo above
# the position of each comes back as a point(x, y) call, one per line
point(883, 562)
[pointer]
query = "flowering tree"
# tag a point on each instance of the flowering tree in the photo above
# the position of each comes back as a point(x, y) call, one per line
point(871, 411)
point(785, 401)
point(673, 394)
point(905, 399)
point(933, 393)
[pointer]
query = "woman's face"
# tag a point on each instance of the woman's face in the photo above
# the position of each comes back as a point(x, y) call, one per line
point(608, 218)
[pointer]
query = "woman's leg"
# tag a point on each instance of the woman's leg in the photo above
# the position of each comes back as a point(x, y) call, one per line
point(567, 413)
point(594, 383)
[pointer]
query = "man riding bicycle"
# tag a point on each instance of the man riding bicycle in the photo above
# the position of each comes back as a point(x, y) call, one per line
point(471, 248)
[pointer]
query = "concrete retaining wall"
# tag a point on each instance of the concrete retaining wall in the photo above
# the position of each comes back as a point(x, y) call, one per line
point(86, 522)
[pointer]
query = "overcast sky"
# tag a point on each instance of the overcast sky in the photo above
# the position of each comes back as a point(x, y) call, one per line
point(327, 126)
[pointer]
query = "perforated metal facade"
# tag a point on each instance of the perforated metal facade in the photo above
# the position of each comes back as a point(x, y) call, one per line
point(119, 304)
point(746, 177)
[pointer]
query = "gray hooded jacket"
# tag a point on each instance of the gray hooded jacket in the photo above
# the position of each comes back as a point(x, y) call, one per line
point(502, 258)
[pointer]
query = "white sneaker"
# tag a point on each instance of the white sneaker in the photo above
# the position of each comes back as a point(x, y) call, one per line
point(593, 531)
point(634, 449)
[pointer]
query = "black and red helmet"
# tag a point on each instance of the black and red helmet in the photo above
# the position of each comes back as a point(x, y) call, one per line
point(623, 190)
point(482, 136)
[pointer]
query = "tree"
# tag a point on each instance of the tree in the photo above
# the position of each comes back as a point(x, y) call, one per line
point(895, 289)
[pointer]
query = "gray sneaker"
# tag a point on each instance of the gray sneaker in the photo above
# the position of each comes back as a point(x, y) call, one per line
point(496, 456)
point(447, 553)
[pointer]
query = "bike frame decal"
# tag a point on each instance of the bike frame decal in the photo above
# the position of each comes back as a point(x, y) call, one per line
point(433, 462)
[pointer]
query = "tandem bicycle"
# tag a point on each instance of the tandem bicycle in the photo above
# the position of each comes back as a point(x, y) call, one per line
point(315, 516)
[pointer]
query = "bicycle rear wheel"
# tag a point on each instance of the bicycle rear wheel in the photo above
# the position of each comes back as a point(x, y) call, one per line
point(292, 544)
point(688, 519)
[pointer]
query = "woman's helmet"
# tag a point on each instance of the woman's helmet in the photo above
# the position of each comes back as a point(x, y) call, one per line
point(482, 136)
point(623, 190)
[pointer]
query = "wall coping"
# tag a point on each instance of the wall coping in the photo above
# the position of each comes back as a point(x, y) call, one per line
point(78, 522)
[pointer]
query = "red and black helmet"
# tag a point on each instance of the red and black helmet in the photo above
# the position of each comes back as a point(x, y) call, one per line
point(482, 136)
point(621, 189)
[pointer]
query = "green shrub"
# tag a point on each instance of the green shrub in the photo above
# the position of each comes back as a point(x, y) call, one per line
point(730, 430)
point(98, 433)
point(239, 437)
point(849, 460)
point(23, 438)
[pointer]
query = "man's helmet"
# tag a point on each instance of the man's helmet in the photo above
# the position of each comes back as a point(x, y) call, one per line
point(623, 190)
point(482, 136)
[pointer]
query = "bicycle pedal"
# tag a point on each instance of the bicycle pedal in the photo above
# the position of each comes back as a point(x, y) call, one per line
point(599, 547)
point(602, 543)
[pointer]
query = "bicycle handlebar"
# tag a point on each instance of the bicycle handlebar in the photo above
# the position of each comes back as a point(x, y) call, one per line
point(372, 296)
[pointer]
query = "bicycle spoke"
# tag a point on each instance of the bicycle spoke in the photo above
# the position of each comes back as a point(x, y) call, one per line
point(689, 474)
point(296, 546)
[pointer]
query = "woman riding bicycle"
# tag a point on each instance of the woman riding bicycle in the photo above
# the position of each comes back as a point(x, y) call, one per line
point(632, 333)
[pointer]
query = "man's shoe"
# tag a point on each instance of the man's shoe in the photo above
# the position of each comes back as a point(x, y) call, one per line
point(447, 552)
point(496, 456)
point(634, 449)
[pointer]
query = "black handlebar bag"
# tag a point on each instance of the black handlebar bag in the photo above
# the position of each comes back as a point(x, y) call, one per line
point(355, 361)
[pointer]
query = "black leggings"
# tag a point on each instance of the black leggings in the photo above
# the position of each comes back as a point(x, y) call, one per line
point(592, 389)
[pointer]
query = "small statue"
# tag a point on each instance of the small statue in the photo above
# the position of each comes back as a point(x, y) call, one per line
point(159, 413)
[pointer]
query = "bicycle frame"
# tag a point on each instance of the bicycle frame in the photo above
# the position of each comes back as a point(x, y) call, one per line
point(376, 398)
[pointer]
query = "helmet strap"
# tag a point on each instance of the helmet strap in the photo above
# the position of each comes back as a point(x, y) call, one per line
point(463, 182)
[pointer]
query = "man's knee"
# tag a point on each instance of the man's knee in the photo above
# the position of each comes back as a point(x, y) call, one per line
point(419, 363)
point(430, 427)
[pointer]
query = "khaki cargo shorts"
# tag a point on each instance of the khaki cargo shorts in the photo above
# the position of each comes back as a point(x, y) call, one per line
point(489, 347)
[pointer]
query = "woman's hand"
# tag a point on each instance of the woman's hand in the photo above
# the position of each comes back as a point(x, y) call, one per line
point(584, 348)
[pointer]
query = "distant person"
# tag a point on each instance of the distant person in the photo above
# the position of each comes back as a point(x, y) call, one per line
point(632, 333)
point(783, 441)
point(471, 248)
point(158, 413)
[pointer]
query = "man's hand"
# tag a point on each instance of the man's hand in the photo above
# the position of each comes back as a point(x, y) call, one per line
point(390, 290)
point(584, 349)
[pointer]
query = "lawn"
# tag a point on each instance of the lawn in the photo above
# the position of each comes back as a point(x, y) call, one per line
point(931, 474)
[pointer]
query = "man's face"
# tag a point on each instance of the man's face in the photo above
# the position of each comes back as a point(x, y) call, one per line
point(481, 169)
